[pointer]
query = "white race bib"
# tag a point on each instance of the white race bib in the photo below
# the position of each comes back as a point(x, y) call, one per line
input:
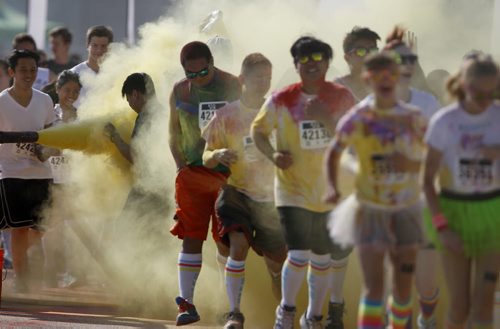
point(313, 135)
point(475, 173)
point(384, 171)
point(249, 150)
point(206, 111)
point(24, 150)
point(60, 168)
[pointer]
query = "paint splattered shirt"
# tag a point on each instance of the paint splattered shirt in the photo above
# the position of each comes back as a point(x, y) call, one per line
point(460, 136)
point(304, 183)
point(252, 174)
point(196, 106)
point(376, 135)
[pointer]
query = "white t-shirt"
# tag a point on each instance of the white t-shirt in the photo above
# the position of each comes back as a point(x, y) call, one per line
point(84, 71)
point(18, 160)
point(460, 136)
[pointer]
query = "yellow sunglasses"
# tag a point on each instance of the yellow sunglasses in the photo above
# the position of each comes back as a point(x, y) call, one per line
point(315, 57)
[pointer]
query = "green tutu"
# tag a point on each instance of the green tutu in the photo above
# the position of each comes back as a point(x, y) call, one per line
point(477, 223)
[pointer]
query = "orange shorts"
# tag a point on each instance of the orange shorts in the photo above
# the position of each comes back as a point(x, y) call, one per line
point(196, 190)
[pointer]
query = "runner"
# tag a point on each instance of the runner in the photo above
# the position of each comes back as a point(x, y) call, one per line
point(302, 115)
point(384, 214)
point(193, 102)
point(464, 149)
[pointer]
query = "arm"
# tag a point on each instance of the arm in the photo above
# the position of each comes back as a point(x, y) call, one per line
point(450, 239)
point(212, 157)
point(332, 161)
point(175, 135)
point(118, 141)
point(282, 159)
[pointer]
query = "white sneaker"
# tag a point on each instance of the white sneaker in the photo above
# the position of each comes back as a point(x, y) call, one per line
point(284, 317)
point(314, 323)
point(426, 324)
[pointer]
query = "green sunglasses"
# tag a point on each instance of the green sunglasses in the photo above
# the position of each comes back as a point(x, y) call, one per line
point(363, 51)
point(315, 57)
point(194, 75)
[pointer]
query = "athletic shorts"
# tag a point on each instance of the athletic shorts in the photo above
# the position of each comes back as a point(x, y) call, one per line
point(22, 201)
point(306, 230)
point(196, 189)
point(259, 222)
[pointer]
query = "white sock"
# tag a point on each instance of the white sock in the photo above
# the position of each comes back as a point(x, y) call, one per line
point(235, 278)
point(339, 268)
point(318, 279)
point(293, 273)
point(221, 265)
point(189, 266)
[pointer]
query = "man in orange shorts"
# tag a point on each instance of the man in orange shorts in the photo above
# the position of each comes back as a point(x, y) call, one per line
point(193, 103)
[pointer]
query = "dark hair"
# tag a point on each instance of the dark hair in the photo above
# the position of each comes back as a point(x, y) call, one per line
point(4, 66)
point(195, 50)
point(63, 32)
point(18, 54)
point(379, 61)
point(474, 66)
point(308, 45)
point(253, 60)
point(358, 33)
point(99, 31)
point(67, 76)
point(141, 82)
point(22, 37)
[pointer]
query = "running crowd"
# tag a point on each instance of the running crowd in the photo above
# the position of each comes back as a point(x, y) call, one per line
point(392, 126)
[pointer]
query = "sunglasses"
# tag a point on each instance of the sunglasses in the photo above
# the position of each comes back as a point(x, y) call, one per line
point(194, 75)
point(315, 57)
point(406, 59)
point(363, 51)
point(383, 75)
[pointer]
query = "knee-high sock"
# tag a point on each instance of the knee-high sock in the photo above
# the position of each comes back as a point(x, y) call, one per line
point(370, 314)
point(293, 273)
point(221, 265)
point(339, 268)
point(399, 313)
point(318, 280)
point(235, 278)
point(428, 305)
point(189, 270)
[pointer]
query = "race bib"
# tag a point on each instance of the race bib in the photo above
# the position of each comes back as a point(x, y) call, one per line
point(60, 169)
point(206, 111)
point(24, 150)
point(250, 152)
point(313, 135)
point(475, 173)
point(384, 170)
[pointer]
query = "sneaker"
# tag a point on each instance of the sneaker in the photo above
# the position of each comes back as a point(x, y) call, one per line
point(426, 324)
point(234, 320)
point(314, 323)
point(284, 317)
point(187, 312)
point(335, 315)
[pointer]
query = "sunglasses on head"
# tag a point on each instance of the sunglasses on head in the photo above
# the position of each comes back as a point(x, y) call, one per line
point(315, 57)
point(363, 51)
point(194, 75)
point(406, 59)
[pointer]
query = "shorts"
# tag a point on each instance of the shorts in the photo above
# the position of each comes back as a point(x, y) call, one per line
point(365, 225)
point(22, 201)
point(259, 222)
point(306, 230)
point(196, 189)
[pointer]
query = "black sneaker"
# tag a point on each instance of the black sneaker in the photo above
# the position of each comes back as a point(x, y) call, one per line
point(234, 320)
point(335, 315)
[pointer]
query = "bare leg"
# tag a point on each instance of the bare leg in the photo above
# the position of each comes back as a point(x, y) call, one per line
point(457, 270)
point(485, 281)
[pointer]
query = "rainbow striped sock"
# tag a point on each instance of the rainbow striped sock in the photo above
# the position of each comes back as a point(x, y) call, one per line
point(399, 313)
point(294, 271)
point(189, 269)
point(235, 278)
point(428, 305)
point(370, 314)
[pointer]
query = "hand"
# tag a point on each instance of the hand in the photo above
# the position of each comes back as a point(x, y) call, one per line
point(331, 195)
point(225, 156)
point(451, 240)
point(110, 130)
point(316, 109)
point(44, 153)
point(411, 40)
point(491, 152)
point(282, 159)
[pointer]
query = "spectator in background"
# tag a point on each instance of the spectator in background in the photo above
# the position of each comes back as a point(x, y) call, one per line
point(60, 41)
point(98, 39)
point(24, 41)
point(4, 75)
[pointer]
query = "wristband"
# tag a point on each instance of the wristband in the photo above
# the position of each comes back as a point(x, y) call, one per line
point(440, 222)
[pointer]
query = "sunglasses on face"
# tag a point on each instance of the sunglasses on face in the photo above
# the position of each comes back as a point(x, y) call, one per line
point(384, 75)
point(315, 57)
point(406, 59)
point(363, 51)
point(194, 75)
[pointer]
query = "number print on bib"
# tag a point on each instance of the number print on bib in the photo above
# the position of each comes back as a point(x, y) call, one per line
point(24, 150)
point(384, 170)
point(59, 168)
point(313, 135)
point(206, 111)
point(475, 173)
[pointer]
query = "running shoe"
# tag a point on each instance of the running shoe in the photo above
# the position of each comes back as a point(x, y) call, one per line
point(187, 312)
